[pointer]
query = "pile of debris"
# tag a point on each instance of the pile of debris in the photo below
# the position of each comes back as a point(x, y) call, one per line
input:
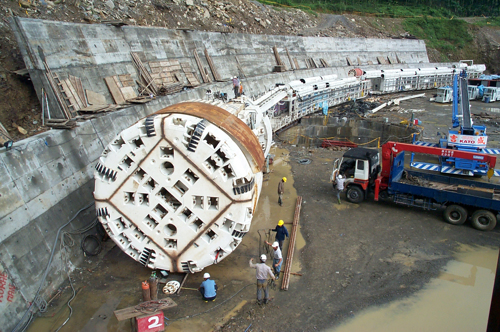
point(356, 108)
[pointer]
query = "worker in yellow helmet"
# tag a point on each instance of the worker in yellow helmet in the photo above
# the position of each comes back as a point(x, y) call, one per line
point(281, 233)
point(281, 190)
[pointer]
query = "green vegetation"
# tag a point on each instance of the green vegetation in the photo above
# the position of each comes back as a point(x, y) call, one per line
point(492, 21)
point(395, 8)
point(442, 34)
point(437, 22)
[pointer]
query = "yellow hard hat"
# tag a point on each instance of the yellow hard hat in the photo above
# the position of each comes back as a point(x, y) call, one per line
point(284, 179)
point(280, 223)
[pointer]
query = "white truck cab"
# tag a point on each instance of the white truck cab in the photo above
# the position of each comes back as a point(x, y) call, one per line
point(360, 166)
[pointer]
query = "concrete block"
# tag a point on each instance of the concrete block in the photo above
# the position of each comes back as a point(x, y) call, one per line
point(14, 221)
point(33, 184)
point(24, 241)
point(12, 301)
point(93, 149)
point(5, 176)
point(77, 160)
point(10, 199)
point(20, 161)
point(31, 266)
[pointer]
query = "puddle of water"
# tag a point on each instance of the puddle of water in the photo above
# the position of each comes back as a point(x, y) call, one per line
point(269, 212)
point(458, 300)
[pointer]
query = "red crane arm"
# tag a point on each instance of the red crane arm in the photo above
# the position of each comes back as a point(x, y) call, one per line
point(393, 148)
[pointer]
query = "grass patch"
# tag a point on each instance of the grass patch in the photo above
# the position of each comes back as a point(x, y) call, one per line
point(371, 8)
point(492, 21)
point(442, 34)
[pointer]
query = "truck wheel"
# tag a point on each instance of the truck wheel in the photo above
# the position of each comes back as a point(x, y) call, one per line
point(383, 195)
point(483, 220)
point(455, 214)
point(354, 194)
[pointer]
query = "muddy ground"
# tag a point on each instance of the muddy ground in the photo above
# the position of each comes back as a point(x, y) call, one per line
point(350, 257)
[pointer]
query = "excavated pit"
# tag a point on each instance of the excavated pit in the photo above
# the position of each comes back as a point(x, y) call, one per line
point(313, 131)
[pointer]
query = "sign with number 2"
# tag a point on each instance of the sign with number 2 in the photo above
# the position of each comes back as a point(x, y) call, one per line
point(151, 323)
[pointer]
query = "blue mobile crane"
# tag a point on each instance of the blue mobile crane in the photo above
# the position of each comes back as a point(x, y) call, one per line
point(463, 136)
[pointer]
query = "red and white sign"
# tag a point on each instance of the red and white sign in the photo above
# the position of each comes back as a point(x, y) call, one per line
point(151, 323)
point(7, 289)
point(473, 141)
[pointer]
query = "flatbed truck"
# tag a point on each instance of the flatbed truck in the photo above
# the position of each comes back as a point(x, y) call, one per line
point(462, 198)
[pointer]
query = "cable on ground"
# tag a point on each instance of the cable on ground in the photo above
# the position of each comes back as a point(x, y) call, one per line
point(23, 324)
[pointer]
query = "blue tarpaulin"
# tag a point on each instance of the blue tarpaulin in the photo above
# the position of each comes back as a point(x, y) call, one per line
point(489, 77)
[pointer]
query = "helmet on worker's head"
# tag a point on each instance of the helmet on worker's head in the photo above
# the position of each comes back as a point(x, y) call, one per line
point(280, 223)
point(284, 179)
point(206, 276)
point(263, 258)
point(275, 244)
point(340, 176)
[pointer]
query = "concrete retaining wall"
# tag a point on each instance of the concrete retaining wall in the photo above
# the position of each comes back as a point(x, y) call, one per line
point(95, 51)
point(46, 179)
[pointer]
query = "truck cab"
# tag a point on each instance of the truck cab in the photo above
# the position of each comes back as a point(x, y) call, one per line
point(360, 166)
point(490, 94)
point(444, 95)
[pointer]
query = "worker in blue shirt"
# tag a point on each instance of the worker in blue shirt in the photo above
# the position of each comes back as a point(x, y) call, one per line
point(281, 233)
point(208, 288)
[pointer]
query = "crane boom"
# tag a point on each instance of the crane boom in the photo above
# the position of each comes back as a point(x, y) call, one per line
point(393, 148)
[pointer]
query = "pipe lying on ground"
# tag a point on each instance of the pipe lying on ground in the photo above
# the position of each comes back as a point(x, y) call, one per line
point(291, 245)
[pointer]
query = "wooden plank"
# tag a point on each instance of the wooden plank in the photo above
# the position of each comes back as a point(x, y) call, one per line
point(289, 59)
point(141, 309)
point(75, 94)
point(125, 77)
point(381, 60)
point(114, 90)
point(296, 63)
point(117, 81)
point(240, 68)
point(54, 83)
point(95, 98)
point(4, 135)
point(204, 76)
point(128, 92)
point(77, 84)
point(277, 57)
point(212, 67)
point(94, 108)
point(71, 95)
point(182, 284)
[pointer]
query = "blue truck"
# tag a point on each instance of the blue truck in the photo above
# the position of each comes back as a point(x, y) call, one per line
point(462, 198)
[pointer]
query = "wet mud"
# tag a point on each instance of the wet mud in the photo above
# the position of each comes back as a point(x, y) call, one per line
point(375, 258)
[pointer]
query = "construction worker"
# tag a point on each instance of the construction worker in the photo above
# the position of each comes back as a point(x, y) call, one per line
point(338, 185)
point(277, 258)
point(236, 86)
point(262, 274)
point(281, 190)
point(208, 288)
point(281, 233)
